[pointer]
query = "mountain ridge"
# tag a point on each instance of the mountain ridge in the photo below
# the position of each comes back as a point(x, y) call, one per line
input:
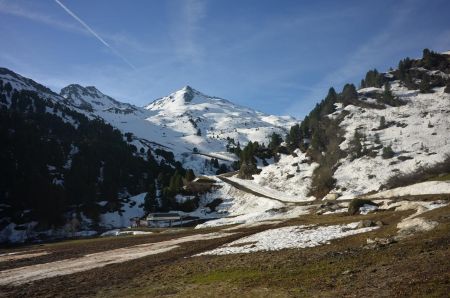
point(184, 121)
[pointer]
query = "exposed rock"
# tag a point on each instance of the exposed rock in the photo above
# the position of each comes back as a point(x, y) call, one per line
point(379, 223)
point(331, 197)
point(365, 224)
point(379, 242)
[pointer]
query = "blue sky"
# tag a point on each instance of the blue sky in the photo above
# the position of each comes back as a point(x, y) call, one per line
point(279, 57)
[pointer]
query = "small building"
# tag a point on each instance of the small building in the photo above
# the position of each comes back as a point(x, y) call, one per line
point(163, 219)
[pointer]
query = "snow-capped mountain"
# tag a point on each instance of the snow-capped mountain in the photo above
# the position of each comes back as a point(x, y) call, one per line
point(91, 99)
point(182, 122)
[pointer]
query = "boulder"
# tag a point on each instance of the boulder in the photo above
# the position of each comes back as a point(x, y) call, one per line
point(331, 196)
point(379, 223)
point(365, 224)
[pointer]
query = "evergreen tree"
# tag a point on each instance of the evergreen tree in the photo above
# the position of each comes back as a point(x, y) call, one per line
point(382, 123)
point(388, 97)
point(275, 141)
point(349, 94)
point(373, 79)
point(222, 169)
point(387, 152)
point(150, 201)
point(424, 85)
point(355, 145)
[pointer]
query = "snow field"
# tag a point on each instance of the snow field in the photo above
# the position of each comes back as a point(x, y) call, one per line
point(288, 237)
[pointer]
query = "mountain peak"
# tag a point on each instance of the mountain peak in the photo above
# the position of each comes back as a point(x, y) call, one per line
point(188, 93)
point(78, 90)
point(182, 97)
point(89, 98)
point(187, 88)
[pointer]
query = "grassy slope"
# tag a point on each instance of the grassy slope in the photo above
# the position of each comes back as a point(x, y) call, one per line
point(414, 267)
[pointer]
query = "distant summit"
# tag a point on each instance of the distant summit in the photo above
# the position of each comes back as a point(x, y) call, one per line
point(91, 99)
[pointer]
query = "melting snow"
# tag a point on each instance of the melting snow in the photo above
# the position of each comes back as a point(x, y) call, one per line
point(288, 237)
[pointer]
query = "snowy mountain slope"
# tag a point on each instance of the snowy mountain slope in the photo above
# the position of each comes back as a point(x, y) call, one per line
point(60, 166)
point(182, 121)
point(418, 133)
point(420, 137)
point(91, 99)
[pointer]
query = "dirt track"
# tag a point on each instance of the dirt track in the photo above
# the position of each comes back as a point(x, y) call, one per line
point(30, 273)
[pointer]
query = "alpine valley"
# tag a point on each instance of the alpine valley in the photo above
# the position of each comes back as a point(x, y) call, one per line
point(191, 180)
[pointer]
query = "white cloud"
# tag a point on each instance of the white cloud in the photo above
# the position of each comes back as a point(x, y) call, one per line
point(187, 28)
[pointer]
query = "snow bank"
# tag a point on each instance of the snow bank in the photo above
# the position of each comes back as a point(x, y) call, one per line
point(124, 233)
point(251, 219)
point(417, 224)
point(288, 237)
point(272, 193)
point(423, 188)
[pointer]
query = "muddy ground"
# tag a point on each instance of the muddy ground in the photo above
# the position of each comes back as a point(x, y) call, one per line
point(418, 266)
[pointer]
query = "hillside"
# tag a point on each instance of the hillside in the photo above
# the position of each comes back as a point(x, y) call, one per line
point(360, 141)
point(183, 122)
point(392, 131)
point(63, 173)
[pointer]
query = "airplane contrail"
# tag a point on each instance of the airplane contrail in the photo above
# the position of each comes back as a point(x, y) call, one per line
point(86, 26)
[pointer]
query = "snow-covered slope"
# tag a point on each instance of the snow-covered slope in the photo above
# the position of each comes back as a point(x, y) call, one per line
point(182, 121)
point(419, 135)
point(418, 132)
point(91, 99)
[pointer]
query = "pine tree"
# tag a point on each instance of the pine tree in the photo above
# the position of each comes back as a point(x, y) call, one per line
point(388, 97)
point(150, 202)
point(387, 152)
point(424, 85)
point(275, 141)
point(382, 123)
point(355, 146)
point(349, 94)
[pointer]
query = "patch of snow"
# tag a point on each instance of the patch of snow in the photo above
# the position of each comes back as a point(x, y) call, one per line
point(423, 188)
point(133, 208)
point(288, 237)
point(118, 232)
point(366, 208)
point(417, 224)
